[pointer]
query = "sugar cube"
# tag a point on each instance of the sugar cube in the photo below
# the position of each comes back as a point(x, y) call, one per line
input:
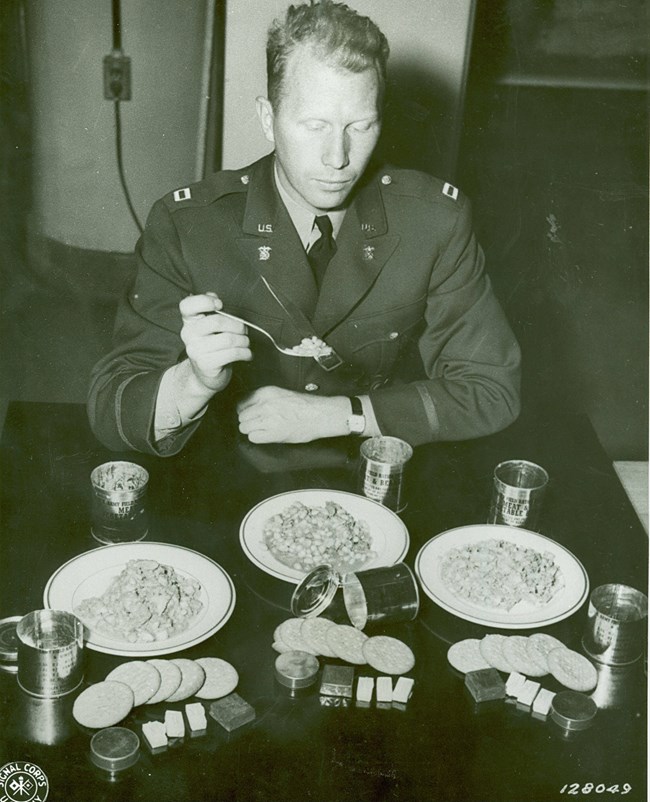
point(403, 690)
point(384, 689)
point(514, 683)
point(365, 687)
point(155, 734)
point(174, 724)
point(542, 702)
point(527, 693)
point(196, 718)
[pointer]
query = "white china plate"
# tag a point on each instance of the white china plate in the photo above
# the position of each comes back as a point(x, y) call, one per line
point(390, 538)
point(524, 616)
point(90, 573)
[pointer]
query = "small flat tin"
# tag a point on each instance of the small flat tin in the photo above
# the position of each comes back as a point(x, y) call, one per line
point(573, 711)
point(9, 644)
point(296, 669)
point(114, 748)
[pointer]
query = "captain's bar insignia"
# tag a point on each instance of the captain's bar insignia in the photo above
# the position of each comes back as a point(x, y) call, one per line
point(182, 194)
point(264, 252)
point(450, 191)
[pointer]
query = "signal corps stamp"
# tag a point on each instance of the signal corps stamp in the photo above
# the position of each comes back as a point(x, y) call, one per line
point(21, 781)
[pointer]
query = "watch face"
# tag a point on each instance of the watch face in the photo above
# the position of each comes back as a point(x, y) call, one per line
point(356, 424)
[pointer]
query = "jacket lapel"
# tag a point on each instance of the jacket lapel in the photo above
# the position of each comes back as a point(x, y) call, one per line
point(271, 243)
point(363, 248)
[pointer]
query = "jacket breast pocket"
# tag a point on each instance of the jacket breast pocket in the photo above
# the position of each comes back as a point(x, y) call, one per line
point(378, 340)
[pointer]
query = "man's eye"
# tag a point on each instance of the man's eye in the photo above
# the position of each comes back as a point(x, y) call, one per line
point(362, 128)
point(315, 125)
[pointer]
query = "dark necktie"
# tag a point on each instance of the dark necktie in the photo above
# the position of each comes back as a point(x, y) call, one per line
point(322, 250)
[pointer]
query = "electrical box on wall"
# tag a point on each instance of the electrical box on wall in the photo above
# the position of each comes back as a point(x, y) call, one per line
point(117, 77)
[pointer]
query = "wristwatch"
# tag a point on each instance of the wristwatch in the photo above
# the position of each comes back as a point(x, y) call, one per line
point(357, 420)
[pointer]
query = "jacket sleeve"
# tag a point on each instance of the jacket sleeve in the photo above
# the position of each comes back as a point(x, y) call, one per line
point(469, 354)
point(146, 341)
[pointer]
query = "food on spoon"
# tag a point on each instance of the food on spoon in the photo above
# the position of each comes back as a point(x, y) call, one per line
point(103, 704)
point(498, 574)
point(146, 602)
point(311, 346)
point(303, 537)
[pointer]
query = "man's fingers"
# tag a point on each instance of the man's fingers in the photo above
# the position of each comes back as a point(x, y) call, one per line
point(198, 305)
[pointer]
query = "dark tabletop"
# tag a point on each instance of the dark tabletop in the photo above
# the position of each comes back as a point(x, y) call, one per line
point(442, 746)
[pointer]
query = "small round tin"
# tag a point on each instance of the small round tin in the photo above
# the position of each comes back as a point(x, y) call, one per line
point(296, 669)
point(114, 748)
point(9, 644)
point(573, 711)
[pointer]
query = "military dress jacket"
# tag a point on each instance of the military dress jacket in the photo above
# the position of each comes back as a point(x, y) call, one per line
point(405, 302)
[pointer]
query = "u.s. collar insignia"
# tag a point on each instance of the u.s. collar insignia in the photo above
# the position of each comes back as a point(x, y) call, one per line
point(264, 252)
point(368, 228)
point(369, 252)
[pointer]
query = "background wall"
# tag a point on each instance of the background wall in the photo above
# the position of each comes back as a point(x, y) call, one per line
point(77, 198)
point(429, 50)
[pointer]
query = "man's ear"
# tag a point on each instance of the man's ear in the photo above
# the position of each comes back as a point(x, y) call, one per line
point(265, 115)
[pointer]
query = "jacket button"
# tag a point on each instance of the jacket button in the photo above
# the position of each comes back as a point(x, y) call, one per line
point(311, 387)
point(386, 179)
point(393, 335)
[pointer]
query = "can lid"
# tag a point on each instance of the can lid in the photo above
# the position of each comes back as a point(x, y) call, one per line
point(296, 669)
point(315, 592)
point(573, 710)
point(9, 644)
point(114, 748)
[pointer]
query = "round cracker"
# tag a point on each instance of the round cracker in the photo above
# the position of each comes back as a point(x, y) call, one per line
point(192, 677)
point(491, 647)
point(515, 650)
point(346, 642)
point(103, 704)
point(170, 680)
point(290, 632)
point(281, 647)
point(142, 677)
point(572, 669)
point(314, 631)
point(221, 678)
point(539, 645)
point(466, 656)
point(388, 655)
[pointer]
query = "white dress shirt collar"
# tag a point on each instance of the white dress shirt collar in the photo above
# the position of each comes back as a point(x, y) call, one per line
point(302, 218)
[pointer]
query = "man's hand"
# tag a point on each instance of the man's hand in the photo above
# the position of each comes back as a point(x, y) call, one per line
point(275, 415)
point(212, 342)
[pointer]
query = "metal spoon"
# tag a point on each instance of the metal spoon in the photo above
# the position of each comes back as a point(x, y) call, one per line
point(288, 351)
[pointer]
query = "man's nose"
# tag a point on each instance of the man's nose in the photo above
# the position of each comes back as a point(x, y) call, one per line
point(336, 153)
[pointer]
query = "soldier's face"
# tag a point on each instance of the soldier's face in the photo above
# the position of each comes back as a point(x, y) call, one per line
point(324, 129)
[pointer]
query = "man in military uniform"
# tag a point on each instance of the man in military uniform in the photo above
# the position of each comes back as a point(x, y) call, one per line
point(310, 241)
